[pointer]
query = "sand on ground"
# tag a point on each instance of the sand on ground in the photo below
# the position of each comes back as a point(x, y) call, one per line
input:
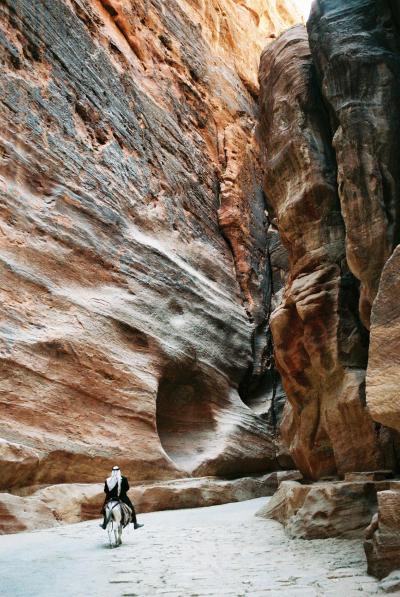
point(220, 550)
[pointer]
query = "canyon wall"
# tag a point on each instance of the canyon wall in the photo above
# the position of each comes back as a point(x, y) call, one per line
point(135, 280)
point(329, 121)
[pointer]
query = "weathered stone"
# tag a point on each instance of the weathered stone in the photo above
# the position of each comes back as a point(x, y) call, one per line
point(321, 510)
point(383, 374)
point(369, 476)
point(382, 544)
point(356, 49)
point(24, 514)
point(320, 343)
point(124, 336)
point(73, 502)
point(18, 464)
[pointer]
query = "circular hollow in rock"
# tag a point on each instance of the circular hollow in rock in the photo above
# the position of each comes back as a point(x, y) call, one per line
point(185, 416)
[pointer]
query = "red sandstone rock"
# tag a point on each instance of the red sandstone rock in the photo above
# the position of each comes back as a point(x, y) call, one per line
point(355, 47)
point(320, 344)
point(124, 337)
point(324, 509)
point(382, 544)
point(24, 514)
point(383, 374)
point(69, 503)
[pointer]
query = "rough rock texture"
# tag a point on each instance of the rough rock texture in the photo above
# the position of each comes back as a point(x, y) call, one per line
point(329, 122)
point(382, 544)
point(383, 374)
point(69, 503)
point(324, 509)
point(320, 344)
point(356, 49)
point(24, 514)
point(125, 332)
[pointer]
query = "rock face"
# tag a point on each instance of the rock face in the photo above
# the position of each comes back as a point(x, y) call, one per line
point(320, 344)
point(24, 514)
point(382, 544)
point(383, 375)
point(324, 509)
point(329, 143)
point(356, 50)
point(125, 328)
point(74, 502)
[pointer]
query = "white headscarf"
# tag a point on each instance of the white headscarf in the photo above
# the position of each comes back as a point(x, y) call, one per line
point(115, 478)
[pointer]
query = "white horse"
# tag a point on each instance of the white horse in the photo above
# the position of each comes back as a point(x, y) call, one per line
point(114, 523)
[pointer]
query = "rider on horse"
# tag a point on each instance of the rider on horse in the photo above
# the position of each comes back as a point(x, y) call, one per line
point(115, 488)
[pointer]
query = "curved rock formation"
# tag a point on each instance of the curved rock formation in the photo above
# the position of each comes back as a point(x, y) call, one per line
point(322, 510)
point(383, 375)
point(356, 48)
point(320, 344)
point(118, 121)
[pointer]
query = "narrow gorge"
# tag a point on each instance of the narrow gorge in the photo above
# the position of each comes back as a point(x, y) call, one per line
point(199, 229)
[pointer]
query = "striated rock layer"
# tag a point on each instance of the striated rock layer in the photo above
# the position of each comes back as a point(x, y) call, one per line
point(69, 503)
point(356, 50)
point(326, 509)
point(329, 123)
point(383, 375)
point(124, 331)
point(320, 344)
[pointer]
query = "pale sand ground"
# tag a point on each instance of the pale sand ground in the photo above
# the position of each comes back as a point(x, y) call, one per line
point(222, 550)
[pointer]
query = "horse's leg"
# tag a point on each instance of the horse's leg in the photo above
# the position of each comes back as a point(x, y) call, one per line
point(120, 534)
point(116, 527)
point(110, 530)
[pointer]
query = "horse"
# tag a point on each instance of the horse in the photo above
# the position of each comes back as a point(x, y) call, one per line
point(118, 515)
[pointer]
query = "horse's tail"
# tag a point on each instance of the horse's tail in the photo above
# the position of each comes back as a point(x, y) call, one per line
point(109, 512)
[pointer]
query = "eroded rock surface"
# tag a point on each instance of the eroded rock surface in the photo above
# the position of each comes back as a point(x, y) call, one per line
point(383, 375)
point(328, 130)
point(382, 544)
point(37, 507)
point(356, 49)
point(320, 344)
point(324, 509)
point(124, 331)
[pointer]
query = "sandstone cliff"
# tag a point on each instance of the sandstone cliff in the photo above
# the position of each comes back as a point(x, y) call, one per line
point(132, 238)
point(329, 142)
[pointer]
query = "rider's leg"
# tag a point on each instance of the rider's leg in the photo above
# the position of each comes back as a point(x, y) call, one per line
point(104, 523)
point(132, 507)
point(136, 525)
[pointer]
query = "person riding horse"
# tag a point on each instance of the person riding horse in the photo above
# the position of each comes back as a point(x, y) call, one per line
point(115, 488)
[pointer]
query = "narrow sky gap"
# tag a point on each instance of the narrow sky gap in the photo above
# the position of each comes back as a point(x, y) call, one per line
point(304, 7)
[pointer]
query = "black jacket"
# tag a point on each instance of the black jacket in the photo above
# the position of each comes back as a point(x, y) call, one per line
point(114, 492)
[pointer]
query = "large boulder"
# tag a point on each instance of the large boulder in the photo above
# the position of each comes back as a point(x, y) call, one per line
point(324, 509)
point(24, 514)
point(382, 543)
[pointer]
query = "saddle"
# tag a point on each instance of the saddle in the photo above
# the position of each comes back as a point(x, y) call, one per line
point(125, 510)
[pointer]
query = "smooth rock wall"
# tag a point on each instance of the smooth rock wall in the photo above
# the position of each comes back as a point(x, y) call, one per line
point(125, 330)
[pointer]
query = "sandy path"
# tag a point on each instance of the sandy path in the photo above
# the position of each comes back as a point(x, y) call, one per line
point(222, 550)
